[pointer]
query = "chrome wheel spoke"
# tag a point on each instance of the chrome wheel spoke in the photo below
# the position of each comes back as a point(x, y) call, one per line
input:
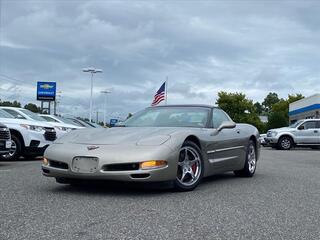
point(189, 166)
point(184, 173)
point(192, 174)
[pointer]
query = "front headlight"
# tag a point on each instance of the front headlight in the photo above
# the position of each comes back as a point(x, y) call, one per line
point(64, 129)
point(32, 127)
point(273, 133)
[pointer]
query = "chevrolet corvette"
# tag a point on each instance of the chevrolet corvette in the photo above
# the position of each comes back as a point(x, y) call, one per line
point(180, 144)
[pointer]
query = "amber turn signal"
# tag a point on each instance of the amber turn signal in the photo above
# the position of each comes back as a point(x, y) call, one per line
point(153, 164)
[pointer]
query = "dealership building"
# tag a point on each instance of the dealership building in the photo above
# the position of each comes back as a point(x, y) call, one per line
point(305, 108)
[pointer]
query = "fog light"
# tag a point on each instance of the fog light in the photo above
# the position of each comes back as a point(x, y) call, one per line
point(45, 161)
point(153, 164)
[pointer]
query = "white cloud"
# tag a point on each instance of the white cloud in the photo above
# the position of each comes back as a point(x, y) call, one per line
point(204, 47)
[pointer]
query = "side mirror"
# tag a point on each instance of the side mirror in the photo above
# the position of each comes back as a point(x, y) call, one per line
point(301, 127)
point(224, 125)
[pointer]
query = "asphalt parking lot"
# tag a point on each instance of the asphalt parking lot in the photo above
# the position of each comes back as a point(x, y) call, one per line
point(282, 201)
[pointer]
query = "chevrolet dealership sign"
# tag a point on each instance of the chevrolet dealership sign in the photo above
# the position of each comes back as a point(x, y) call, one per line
point(46, 91)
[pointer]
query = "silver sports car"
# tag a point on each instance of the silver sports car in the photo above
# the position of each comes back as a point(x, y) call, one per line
point(176, 143)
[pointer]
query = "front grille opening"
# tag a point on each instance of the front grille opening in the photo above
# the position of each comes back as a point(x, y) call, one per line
point(140, 175)
point(50, 134)
point(45, 170)
point(121, 167)
point(57, 164)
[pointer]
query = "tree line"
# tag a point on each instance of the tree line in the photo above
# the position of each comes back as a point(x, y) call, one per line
point(30, 106)
point(237, 105)
point(243, 110)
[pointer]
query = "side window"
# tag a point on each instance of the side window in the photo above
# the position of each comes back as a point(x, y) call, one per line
point(14, 113)
point(309, 125)
point(219, 116)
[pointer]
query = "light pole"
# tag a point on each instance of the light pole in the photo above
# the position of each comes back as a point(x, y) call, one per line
point(92, 71)
point(105, 92)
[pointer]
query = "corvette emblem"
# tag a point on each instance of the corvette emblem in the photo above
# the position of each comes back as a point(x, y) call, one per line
point(92, 147)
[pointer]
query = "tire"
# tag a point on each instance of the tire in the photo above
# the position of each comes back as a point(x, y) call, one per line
point(250, 164)
point(15, 151)
point(190, 167)
point(285, 143)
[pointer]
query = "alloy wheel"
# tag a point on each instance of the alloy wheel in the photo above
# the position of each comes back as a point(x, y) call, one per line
point(252, 160)
point(189, 166)
point(285, 143)
point(12, 150)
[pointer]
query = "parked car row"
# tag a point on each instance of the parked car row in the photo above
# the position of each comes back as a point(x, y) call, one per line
point(29, 134)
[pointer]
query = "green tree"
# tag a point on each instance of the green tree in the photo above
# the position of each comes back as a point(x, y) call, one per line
point(279, 115)
point(32, 107)
point(269, 100)
point(258, 108)
point(10, 104)
point(239, 108)
point(277, 120)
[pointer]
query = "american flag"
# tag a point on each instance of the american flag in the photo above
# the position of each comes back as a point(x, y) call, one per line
point(160, 95)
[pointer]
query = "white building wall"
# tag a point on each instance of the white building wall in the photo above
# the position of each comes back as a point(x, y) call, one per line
point(314, 99)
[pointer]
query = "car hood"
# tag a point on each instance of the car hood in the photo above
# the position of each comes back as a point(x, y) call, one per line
point(8, 121)
point(283, 129)
point(118, 135)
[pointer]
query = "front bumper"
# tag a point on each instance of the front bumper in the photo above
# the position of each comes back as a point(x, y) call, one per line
point(35, 139)
point(271, 140)
point(63, 156)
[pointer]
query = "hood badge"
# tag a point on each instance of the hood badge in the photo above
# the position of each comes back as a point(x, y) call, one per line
point(92, 147)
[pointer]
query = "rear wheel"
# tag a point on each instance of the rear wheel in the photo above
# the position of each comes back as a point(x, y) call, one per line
point(285, 143)
point(250, 163)
point(190, 167)
point(15, 150)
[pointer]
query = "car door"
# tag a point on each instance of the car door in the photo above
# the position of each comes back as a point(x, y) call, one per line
point(308, 133)
point(225, 148)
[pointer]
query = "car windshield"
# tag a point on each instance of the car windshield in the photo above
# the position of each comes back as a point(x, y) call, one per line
point(49, 119)
point(32, 115)
point(4, 114)
point(294, 125)
point(169, 117)
point(65, 120)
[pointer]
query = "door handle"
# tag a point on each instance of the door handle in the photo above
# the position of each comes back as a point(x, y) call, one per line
point(315, 131)
point(238, 131)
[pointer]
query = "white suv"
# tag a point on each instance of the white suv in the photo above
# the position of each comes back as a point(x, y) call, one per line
point(28, 137)
point(21, 113)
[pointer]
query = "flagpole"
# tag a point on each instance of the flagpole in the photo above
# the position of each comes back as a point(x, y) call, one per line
point(166, 89)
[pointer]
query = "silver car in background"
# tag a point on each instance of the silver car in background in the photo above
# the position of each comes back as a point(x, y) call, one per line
point(302, 133)
point(176, 143)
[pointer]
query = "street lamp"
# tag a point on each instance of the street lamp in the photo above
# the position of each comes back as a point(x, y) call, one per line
point(92, 71)
point(105, 92)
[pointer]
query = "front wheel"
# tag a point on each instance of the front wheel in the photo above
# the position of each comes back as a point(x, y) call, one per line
point(285, 143)
point(250, 163)
point(190, 167)
point(15, 150)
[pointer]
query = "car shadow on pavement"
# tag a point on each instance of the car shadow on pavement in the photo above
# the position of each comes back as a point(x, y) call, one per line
point(108, 187)
point(130, 188)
